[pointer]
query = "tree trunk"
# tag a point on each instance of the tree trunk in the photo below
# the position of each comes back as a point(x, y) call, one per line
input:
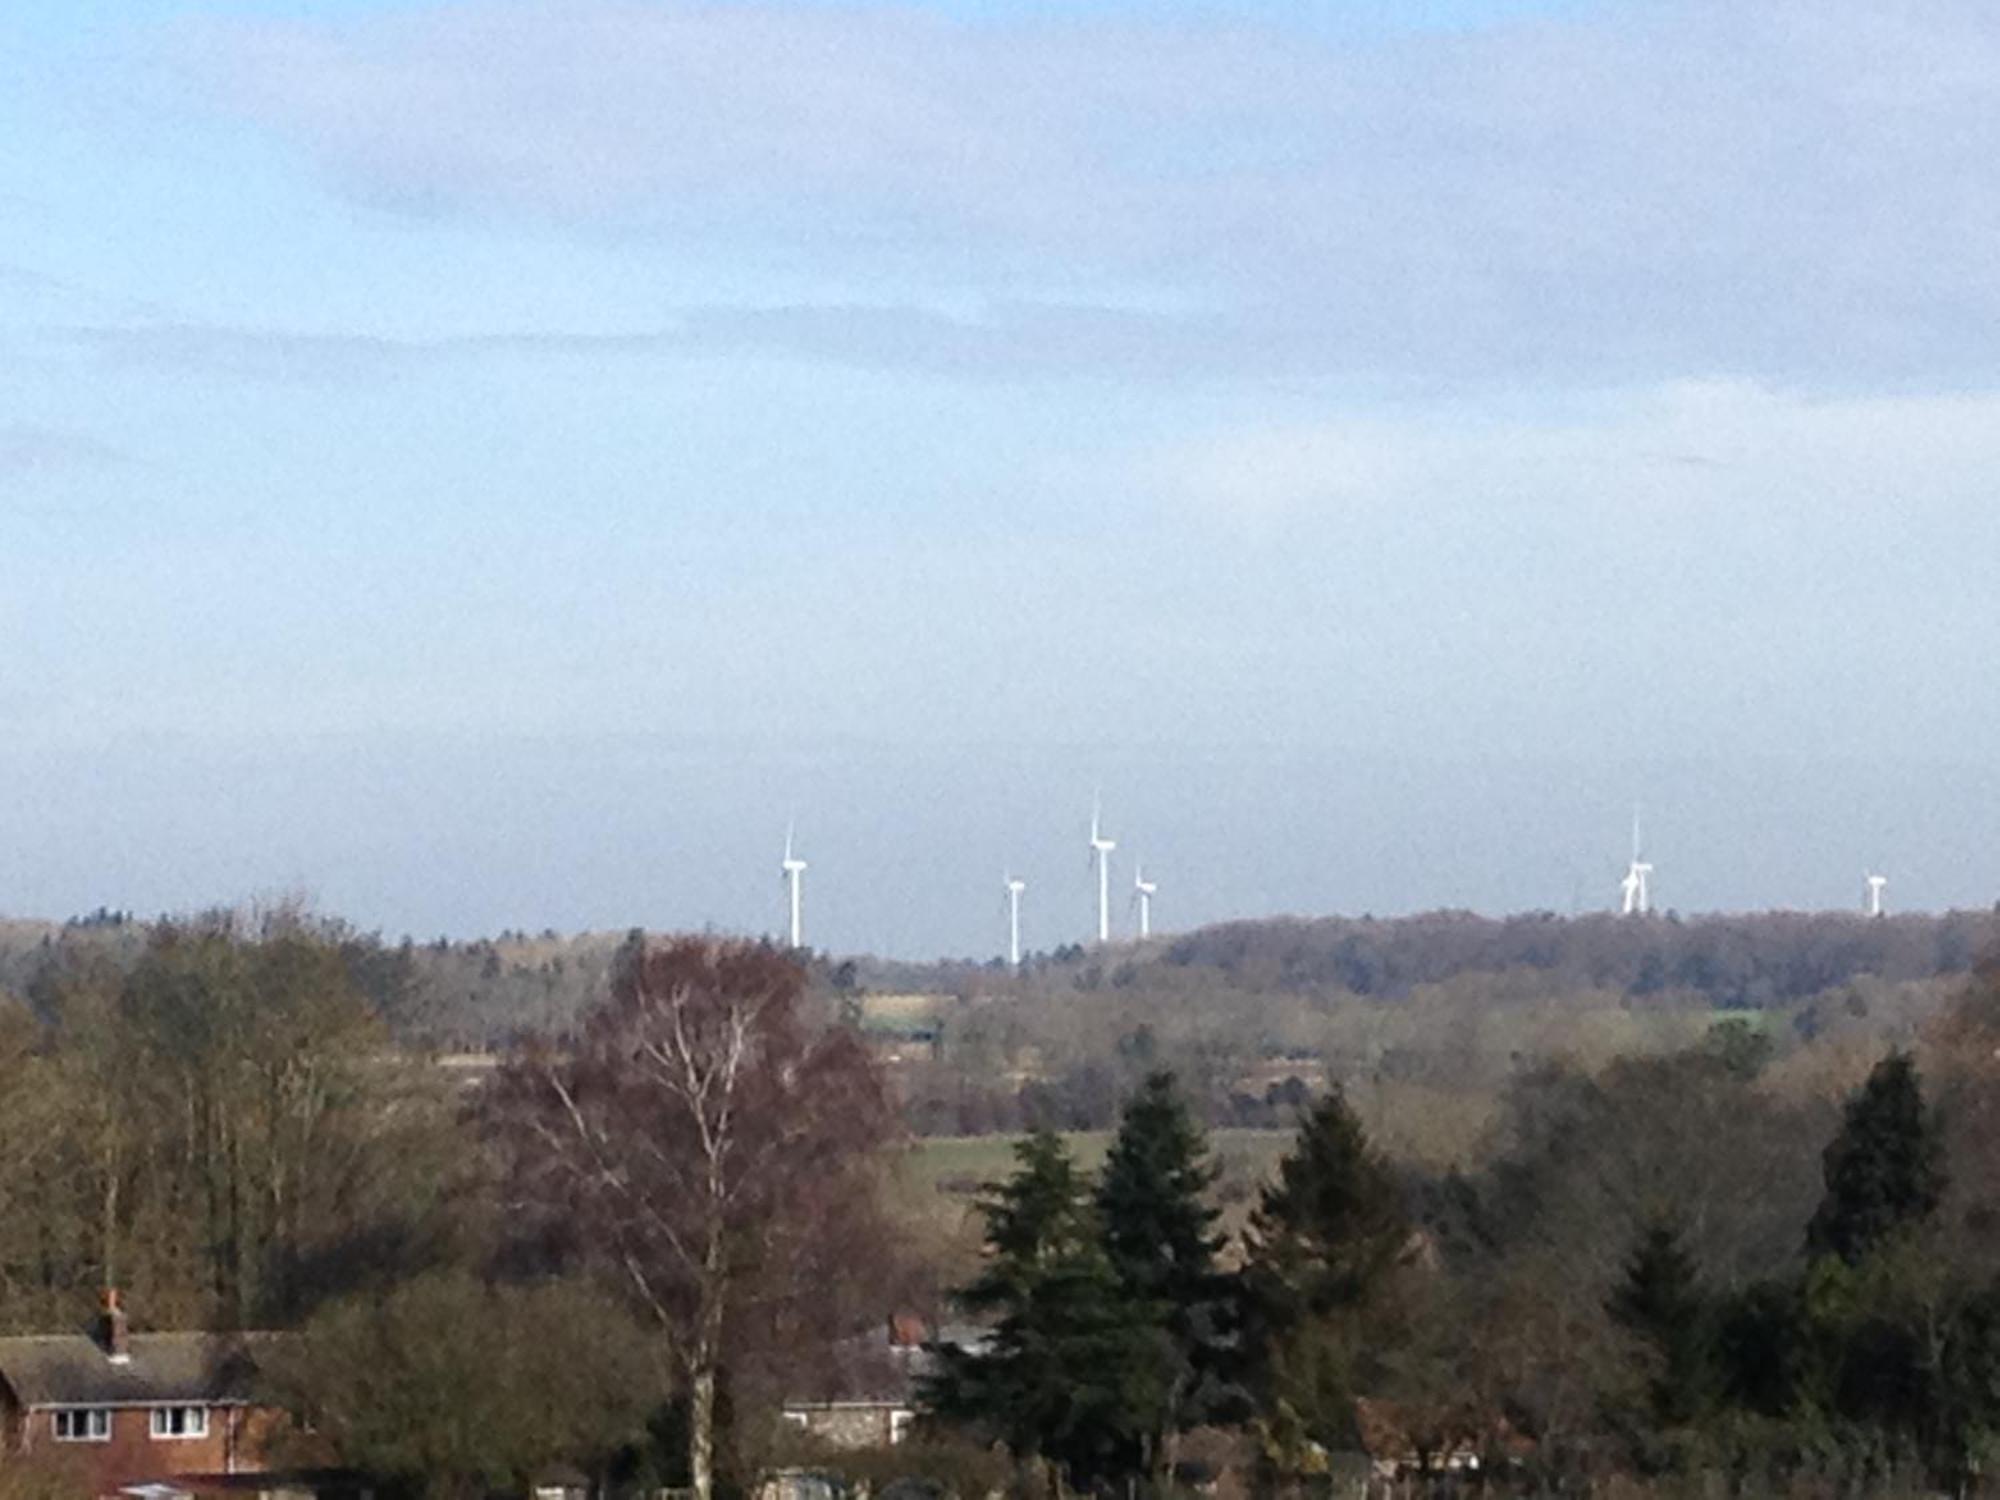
point(701, 1431)
point(701, 1367)
point(110, 1216)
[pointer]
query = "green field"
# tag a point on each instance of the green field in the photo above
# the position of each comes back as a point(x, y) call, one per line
point(937, 1181)
point(896, 1013)
point(955, 1164)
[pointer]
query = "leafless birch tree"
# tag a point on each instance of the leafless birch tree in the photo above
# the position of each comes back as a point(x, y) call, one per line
point(697, 1145)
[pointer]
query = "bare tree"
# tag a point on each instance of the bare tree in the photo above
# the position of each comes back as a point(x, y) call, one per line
point(700, 1144)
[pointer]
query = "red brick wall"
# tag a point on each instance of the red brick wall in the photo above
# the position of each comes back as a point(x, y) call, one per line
point(132, 1453)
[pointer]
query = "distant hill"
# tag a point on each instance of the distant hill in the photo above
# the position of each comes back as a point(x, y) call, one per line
point(1737, 962)
point(479, 993)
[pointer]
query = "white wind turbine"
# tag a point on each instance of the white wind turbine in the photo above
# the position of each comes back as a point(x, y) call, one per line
point(794, 870)
point(1877, 884)
point(1143, 889)
point(1015, 885)
point(1638, 898)
point(1100, 849)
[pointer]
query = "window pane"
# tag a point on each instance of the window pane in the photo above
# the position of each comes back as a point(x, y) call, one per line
point(81, 1425)
point(180, 1421)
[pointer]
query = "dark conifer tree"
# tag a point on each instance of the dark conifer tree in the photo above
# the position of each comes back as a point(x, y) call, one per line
point(1324, 1238)
point(1661, 1302)
point(1159, 1232)
point(1327, 1231)
point(1884, 1171)
point(1073, 1367)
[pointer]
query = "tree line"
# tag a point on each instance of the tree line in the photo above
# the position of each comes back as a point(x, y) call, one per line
point(216, 1122)
point(1850, 1340)
point(1692, 1260)
point(605, 1255)
point(486, 993)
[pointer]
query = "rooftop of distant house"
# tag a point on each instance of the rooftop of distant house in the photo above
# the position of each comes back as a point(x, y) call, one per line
point(885, 1365)
point(115, 1367)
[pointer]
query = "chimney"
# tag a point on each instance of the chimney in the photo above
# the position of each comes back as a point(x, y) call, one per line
point(906, 1331)
point(112, 1332)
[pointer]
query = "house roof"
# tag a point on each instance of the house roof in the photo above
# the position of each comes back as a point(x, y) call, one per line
point(69, 1369)
point(884, 1367)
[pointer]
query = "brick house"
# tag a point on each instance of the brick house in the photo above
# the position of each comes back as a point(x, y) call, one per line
point(133, 1408)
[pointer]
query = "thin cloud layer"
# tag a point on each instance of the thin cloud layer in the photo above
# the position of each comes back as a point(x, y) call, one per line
point(28, 452)
point(1789, 191)
point(1005, 341)
point(1695, 457)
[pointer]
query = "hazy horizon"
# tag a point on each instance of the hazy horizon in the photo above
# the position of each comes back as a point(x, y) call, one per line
point(907, 846)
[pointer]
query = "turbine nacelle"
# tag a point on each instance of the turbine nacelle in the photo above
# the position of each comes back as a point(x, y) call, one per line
point(1634, 891)
point(1100, 851)
point(1142, 893)
point(1098, 841)
point(1877, 884)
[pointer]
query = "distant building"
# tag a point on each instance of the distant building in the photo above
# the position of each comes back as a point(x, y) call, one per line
point(1401, 1442)
point(869, 1396)
point(134, 1410)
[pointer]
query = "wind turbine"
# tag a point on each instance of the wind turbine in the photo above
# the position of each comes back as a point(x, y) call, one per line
point(1100, 849)
point(794, 869)
point(1638, 898)
point(1015, 886)
point(1143, 890)
point(1876, 885)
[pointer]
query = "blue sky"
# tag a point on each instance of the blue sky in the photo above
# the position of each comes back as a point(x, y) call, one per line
point(493, 463)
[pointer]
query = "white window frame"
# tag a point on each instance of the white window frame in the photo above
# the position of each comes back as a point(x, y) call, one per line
point(176, 1424)
point(88, 1424)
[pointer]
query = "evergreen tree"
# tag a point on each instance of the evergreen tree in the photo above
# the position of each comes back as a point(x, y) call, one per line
point(1660, 1302)
point(1968, 1408)
point(1323, 1240)
point(1159, 1233)
point(1884, 1171)
point(1072, 1369)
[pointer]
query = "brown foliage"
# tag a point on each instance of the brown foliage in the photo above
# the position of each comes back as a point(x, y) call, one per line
point(711, 1154)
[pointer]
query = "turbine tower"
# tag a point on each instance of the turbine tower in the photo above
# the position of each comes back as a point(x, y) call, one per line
point(1144, 889)
point(1876, 885)
point(794, 870)
point(1637, 896)
point(1100, 849)
point(1015, 886)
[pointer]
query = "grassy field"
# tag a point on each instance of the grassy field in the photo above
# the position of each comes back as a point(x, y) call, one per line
point(956, 1165)
point(903, 1015)
point(937, 1182)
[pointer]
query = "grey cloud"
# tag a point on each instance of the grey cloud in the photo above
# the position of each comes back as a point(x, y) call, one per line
point(28, 294)
point(1787, 190)
point(28, 451)
point(1010, 340)
point(252, 353)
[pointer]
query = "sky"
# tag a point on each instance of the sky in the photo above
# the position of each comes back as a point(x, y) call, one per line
point(491, 464)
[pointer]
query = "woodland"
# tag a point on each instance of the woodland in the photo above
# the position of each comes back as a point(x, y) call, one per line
point(1700, 1206)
